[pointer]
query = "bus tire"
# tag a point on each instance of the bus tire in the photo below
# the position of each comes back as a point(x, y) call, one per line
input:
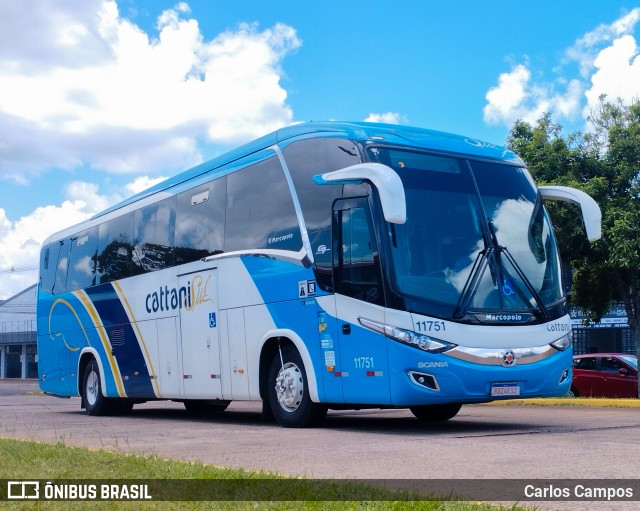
point(94, 402)
point(288, 391)
point(436, 413)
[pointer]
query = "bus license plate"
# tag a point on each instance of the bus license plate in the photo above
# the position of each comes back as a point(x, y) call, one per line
point(505, 389)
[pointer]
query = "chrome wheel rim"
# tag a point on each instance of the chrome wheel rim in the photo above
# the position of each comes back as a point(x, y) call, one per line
point(289, 387)
point(92, 388)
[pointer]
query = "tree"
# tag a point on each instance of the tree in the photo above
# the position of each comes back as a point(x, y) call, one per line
point(605, 163)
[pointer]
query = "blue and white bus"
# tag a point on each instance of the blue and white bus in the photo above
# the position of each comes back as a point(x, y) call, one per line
point(324, 266)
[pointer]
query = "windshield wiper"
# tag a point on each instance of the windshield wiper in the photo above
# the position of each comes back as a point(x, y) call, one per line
point(504, 250)
point(471, 286)
point(491, 257)
point(477, 272)
point(541, 307)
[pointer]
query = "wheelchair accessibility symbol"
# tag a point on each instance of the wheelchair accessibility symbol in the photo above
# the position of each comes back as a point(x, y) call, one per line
point(507, 290)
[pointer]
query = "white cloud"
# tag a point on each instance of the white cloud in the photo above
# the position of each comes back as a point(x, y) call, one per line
point(608, 64)
point(617, 73)
point(83, 85)
point(585, 49)
point(387, 118)
point(505, 100)
point(517, 97)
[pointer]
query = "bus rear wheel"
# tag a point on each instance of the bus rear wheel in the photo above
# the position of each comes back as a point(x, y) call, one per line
point(288, 391)
point(436, 413)
point(94, 402)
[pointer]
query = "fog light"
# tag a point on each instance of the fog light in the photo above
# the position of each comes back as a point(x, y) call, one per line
point(424, 380)
point(565, 375)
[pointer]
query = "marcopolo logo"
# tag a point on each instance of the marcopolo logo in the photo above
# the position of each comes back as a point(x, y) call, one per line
point(519, 318)
point(186, 297)
point(504, 317)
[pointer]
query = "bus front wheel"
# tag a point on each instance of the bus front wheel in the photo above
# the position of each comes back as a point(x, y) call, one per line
point(288, 391)
point(436, 413)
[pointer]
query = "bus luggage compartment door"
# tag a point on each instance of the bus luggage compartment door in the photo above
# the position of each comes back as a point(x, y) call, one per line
point(200, 337)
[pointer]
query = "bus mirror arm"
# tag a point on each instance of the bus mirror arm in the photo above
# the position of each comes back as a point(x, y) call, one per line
point(384, 178)
point(591, 213)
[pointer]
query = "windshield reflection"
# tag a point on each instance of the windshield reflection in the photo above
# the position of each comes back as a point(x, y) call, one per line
point(500, 286)
point(472, 217)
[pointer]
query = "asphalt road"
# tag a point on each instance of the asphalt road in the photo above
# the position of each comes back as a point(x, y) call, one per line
point(482, 442)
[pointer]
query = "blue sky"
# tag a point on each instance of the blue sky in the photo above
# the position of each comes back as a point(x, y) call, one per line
point(100, 98)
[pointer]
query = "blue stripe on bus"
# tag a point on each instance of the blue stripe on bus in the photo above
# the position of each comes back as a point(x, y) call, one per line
point(62, 336)
point(124, 343)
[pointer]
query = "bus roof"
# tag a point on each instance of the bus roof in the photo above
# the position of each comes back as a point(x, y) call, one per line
point(438, 141)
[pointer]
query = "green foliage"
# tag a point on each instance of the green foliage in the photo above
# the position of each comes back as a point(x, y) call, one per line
point(605, 163)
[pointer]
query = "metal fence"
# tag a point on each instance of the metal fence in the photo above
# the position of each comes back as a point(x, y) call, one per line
point(18, 332)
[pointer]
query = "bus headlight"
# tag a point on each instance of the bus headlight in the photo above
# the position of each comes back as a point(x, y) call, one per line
point(408, 337)
point(563, 343)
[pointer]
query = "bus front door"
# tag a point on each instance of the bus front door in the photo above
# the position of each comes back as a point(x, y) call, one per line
point(200, 334)
point(359, 294)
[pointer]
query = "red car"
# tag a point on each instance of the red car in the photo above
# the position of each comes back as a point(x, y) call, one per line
point(605, 375)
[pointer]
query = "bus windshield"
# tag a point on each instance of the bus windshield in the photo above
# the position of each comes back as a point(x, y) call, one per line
point(477, 237)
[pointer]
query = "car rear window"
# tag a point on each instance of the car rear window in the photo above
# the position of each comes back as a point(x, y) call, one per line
point(588, 363)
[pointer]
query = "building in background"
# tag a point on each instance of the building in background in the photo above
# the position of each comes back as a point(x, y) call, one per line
point(611, 335)
point(18, 353)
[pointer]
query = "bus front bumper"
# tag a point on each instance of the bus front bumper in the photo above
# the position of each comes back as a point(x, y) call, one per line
point(441, 378)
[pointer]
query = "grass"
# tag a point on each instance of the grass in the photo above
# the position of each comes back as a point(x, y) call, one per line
point(29, 460)
point(571, 401)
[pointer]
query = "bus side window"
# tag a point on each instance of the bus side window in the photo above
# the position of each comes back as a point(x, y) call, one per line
point(260, 212)
point(305, 159)
point(82, 260)
point(200, 217)
point(115, 246)
point(48, 258)
point(154, 229)
point(61, 268)
point(357, 269)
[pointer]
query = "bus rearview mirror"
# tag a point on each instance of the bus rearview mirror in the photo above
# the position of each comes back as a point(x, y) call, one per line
point(384, 178)
point(591, 213)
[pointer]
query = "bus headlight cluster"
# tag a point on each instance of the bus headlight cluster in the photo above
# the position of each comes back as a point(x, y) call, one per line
point(408, 337)
point(563, 343)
